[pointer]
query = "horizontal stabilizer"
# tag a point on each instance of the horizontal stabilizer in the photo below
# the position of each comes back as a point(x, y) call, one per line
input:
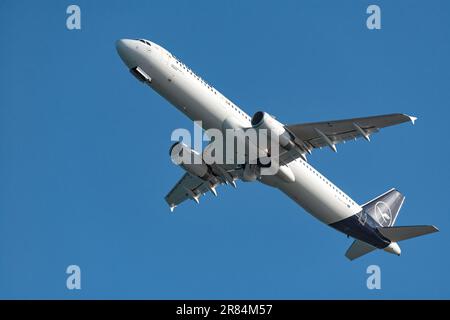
point(396, 234)
point(358, 249)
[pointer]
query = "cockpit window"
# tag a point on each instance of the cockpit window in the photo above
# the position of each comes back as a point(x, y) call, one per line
point(146, 42)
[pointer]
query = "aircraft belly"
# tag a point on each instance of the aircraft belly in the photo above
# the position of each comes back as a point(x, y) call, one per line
point(313, 194)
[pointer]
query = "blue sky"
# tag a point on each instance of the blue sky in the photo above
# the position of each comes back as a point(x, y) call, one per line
point(84, 163)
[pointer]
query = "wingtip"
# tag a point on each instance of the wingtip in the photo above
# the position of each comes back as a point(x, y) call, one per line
point(412, 119)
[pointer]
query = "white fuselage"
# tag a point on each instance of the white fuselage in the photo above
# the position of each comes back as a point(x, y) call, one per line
point(201, 102)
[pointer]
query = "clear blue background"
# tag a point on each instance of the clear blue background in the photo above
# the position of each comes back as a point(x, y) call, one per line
point(84, 163)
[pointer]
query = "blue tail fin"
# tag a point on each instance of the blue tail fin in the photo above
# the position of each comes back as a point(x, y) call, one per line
point(384, 209)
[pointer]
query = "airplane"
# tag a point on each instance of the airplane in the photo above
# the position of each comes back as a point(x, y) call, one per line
point(371, 225)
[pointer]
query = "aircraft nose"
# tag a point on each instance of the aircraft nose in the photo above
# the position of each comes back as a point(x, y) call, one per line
point(123, 44)
point(125, 49)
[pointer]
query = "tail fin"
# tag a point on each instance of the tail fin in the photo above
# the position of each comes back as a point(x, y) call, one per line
point(396, 234)
point(358, 249)
point(385, 208)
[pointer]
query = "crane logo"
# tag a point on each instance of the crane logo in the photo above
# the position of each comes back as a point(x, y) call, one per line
point(383, 213)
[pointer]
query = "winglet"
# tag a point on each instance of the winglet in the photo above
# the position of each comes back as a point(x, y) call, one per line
point(413, 119)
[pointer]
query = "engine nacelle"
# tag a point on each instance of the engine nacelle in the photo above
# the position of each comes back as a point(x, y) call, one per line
point(190, 160)
point(263, 120)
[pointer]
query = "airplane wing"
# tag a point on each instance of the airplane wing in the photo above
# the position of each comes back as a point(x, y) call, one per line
point(307, 135)
point(192, 187)
point(330, 133)
point(188, 187)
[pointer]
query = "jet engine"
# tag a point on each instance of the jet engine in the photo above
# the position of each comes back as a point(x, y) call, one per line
point(263, 120)
point(190, 160)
